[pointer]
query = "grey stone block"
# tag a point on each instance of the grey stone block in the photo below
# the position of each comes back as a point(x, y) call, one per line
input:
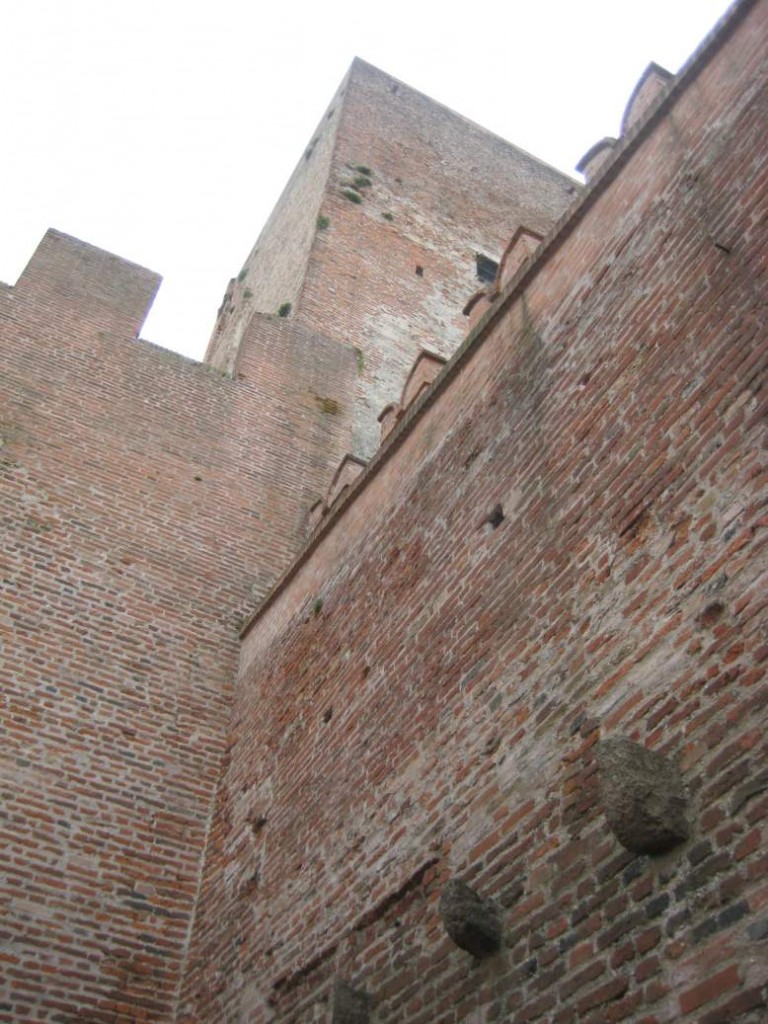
point(349, 1005)
point(643, 796)
point(472, 922)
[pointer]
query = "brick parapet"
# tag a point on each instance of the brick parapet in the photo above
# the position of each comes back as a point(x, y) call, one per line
point(65, 273)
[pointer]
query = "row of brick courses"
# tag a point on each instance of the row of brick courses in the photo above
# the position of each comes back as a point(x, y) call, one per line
point(141, 514)
point(423, 697)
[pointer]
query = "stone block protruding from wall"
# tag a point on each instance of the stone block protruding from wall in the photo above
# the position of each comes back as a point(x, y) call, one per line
point(643, 796)
point(472, 922)
point(349, 1005)
point(444, 708)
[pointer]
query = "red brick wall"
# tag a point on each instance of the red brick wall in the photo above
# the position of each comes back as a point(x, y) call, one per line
point(422, 698)
point(146, 501)
point(441, 190)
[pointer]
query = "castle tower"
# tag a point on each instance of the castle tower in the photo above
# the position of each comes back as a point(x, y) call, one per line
point(398, 210)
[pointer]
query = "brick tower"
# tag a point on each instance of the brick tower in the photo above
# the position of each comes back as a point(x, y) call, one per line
point(395, 214)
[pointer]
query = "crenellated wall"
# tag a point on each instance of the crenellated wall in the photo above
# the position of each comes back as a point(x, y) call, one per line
point(562, 542)
point(146, 502)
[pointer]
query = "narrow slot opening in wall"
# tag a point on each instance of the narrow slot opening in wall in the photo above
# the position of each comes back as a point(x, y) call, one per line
point(486, 268)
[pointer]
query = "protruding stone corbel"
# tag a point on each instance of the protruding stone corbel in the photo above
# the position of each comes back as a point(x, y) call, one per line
point(472, 922)
point(643, 796)
point(349, 1005)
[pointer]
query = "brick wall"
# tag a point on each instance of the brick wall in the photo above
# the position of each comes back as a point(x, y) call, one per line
point(392, 273)
point(146, 502)
point(423, 697)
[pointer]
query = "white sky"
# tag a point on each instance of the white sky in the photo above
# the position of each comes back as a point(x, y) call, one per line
point(165, 131)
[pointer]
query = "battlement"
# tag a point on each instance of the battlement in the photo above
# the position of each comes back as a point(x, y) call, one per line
point(487, 608)
point(67, 272)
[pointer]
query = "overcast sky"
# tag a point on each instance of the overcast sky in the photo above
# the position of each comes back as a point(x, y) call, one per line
point(165, 132)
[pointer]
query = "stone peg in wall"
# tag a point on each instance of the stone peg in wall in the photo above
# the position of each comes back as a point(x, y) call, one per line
point(643, 796)
point(472, 922)
point(349, 1005)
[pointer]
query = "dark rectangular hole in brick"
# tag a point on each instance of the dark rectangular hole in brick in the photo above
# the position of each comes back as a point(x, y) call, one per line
point(486, 268)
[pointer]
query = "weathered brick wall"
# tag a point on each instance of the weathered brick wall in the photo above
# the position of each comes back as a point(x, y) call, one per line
point(146, 501)
point(423, 697)
point(391, 273)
